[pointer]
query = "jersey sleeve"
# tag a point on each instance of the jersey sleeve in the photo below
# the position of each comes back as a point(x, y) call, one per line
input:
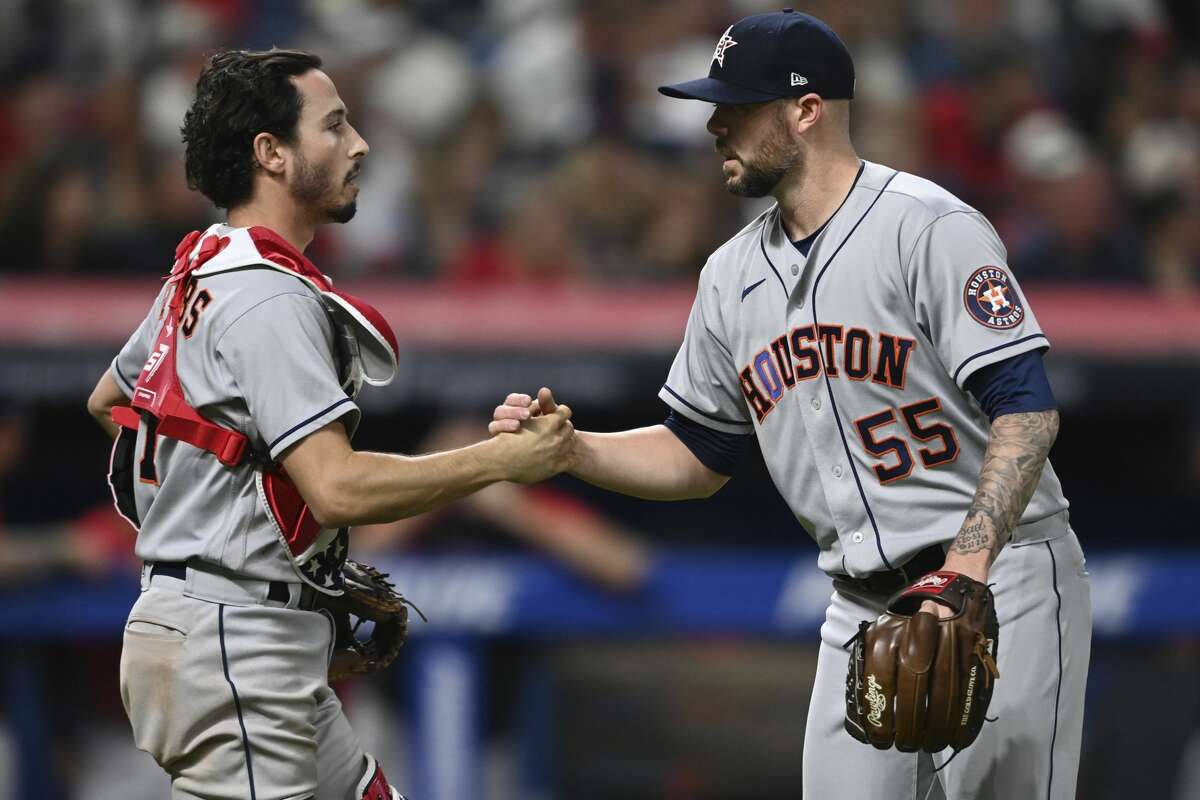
point(703, 383)
point(127, 366)
point(966, 297)
point(280, 355)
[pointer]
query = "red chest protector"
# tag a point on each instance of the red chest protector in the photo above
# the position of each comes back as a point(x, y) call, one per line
point(159, 402)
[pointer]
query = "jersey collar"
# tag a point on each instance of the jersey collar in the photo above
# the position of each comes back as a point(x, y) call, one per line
point(783, 255)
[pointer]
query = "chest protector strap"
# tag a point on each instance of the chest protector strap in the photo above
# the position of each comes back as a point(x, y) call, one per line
point(159, 403)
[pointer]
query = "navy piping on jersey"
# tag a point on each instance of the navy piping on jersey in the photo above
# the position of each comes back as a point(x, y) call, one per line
point(762, 239)
point(300, 425)
point(237, 703)
point(121, 378)
point(829, 386)
point(1058, 688)
point(705, 414)
point(983, 353)
point(763, 235)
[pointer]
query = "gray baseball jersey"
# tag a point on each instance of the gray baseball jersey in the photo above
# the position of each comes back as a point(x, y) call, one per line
point(258, 357)
point(849, 366)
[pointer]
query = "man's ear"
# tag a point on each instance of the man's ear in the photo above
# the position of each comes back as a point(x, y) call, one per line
point(269, 153)
point(807, 112)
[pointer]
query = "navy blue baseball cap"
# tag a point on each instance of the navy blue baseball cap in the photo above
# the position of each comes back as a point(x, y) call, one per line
point(768, 56)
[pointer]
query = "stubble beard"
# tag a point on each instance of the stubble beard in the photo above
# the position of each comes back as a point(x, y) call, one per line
point(777, 156)
point(313, 187)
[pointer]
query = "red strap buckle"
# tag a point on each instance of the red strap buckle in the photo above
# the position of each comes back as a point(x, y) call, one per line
point(226, 445)
point(232, 450)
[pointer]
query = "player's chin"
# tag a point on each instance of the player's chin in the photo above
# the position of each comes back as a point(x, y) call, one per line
point(343, 213)
point(733, 175)
point(752, 182)
point(742, 188)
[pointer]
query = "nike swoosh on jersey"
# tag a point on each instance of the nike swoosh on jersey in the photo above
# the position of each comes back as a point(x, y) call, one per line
point(751, 288)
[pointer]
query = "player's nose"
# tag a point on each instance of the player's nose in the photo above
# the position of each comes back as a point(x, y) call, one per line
point(359, 148)
point(716, 123)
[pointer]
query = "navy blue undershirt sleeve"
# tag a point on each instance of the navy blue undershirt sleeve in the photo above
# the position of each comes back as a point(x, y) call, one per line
point(1012, 386)
point(717, 450)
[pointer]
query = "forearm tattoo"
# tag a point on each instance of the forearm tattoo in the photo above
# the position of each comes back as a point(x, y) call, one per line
point(1012, 465)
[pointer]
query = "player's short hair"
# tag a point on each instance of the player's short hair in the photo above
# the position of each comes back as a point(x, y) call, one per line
point(240, 94)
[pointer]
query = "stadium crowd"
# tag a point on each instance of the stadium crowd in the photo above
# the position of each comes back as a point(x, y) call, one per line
point(525, 138)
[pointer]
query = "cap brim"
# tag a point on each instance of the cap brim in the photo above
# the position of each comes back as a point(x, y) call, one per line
point(711, 90)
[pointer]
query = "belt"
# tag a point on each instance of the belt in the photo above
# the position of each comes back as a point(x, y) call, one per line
point(277, 591)
point(888, 581)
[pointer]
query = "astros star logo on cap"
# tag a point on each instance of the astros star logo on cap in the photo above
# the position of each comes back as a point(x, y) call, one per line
point(726, 41)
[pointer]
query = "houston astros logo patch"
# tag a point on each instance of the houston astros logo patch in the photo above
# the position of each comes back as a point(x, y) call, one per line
point(992, 299)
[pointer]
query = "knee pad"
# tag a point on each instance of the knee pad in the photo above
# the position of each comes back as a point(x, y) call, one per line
point(374, 785)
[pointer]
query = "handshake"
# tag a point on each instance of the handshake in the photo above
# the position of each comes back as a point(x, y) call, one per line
point(534, 437)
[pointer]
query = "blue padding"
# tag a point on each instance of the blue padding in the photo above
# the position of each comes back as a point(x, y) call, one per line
point(1136, 593)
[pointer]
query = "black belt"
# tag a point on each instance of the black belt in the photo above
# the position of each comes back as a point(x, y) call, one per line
point(279, 591)
point(887, 581)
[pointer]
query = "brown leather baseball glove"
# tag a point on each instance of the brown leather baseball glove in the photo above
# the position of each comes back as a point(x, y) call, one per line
point(368, 597)
point(919, 682)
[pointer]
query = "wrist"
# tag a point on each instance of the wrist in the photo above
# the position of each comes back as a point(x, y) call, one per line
point(493, 460)
point(585, 444)
point(973, 565)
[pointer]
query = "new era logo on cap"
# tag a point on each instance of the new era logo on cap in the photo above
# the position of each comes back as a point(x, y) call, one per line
point(799, 80)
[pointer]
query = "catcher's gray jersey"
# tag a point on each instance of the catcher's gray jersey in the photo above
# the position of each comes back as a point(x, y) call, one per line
point(258, 357)
point(849, 366)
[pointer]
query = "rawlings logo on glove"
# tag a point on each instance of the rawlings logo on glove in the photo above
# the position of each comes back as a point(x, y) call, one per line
point(920, 682)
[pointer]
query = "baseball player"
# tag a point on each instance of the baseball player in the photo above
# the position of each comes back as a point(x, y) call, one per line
point(235, 405)
point(867, 332)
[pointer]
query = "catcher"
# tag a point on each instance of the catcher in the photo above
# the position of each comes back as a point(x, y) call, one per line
point(232, 405)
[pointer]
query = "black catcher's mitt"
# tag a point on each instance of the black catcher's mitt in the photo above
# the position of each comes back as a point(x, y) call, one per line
point(368, 597)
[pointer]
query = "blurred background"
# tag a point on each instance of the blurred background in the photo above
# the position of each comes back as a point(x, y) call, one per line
point(534, 213)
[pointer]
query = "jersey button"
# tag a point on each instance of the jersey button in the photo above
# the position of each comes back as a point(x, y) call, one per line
point(856, 537)
point(837, 471)
point(795, 269)
point(816, 404)
point(800, 303)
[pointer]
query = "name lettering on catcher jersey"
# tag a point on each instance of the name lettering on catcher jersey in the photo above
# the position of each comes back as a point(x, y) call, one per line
point(801, 356)
point(193, 305)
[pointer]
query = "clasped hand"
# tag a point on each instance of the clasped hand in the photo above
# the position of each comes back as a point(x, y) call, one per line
point(539, 433)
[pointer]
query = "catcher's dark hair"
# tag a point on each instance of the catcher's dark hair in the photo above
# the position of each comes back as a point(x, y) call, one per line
point(240, 94)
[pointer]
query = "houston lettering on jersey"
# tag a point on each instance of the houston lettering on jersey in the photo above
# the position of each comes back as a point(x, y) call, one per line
point(852, 353)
